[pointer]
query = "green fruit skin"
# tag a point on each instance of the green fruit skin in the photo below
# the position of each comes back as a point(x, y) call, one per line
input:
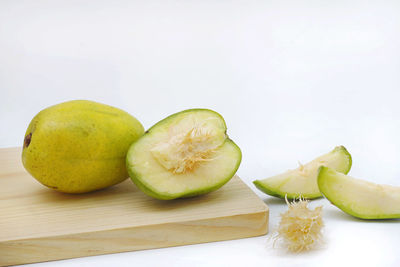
point(79, 146)
point(152, 192)
point(270, 191)
point(348, 155)
point(323, 172)
point(280, 194)
point(165, 120)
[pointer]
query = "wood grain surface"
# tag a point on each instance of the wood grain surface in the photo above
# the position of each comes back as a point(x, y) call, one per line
point(39, 224)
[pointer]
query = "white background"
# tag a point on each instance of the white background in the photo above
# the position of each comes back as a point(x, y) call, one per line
point(293, 79)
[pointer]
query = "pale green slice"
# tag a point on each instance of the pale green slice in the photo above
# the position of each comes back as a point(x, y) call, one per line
point(154, 161)
point(359, 198)
point(302, 182)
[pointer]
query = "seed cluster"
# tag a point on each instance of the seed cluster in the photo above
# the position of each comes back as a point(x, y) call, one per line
point(300, 227)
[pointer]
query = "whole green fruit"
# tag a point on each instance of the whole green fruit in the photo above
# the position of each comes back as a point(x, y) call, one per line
point(79, 146)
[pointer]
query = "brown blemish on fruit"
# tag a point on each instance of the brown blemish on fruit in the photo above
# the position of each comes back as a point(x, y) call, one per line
point(53, 187)
point(27, 140)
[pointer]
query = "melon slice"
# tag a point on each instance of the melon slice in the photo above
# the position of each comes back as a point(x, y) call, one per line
point(186, 154)
point(359, 198)
point(302, 182)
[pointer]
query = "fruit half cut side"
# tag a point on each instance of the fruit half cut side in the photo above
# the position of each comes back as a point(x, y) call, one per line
point(186, 154)
point(359, 198)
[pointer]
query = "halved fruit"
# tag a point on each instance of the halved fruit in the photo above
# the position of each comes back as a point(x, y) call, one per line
point(359, 198)
point(186, 154)
point(302, 182)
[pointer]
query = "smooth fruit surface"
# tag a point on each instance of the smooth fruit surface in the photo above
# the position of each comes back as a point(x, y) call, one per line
point(359, 198)
point(79, 146)
point(303, 180)
point(186, 154)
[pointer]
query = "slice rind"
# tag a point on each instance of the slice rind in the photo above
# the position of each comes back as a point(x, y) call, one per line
point(302, 182)
point(359, 198)
point(154, 161)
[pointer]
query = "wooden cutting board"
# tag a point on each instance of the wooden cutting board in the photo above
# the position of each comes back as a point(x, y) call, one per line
point(39, 224)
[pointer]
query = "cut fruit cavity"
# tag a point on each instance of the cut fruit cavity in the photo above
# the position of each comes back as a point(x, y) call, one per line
point(183, 151)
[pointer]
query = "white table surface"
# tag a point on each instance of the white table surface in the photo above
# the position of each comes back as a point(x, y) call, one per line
point(293, 79)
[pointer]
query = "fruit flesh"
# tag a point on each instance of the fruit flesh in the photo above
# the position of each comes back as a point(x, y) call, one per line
point(184, 155)
point(79, 146)
point(359, 198)
point(302, 182)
